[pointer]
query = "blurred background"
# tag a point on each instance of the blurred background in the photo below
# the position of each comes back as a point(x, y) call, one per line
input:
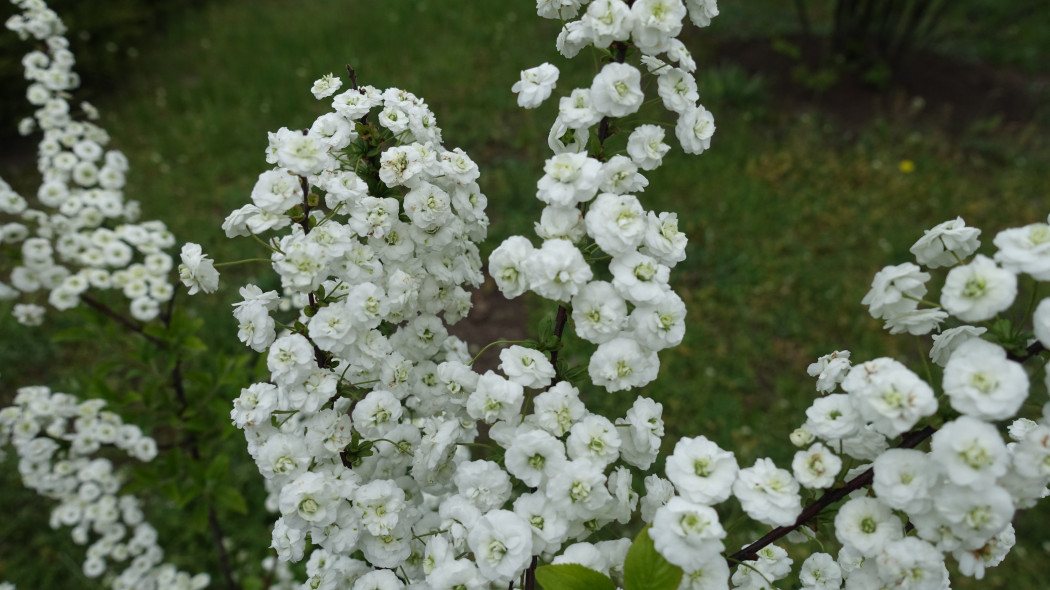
point(845, 128)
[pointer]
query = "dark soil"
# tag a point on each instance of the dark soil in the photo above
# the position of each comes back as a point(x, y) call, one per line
point(493, 318)
point(934, 89)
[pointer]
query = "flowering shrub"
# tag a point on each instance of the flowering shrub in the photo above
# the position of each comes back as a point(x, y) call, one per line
point(390, 462)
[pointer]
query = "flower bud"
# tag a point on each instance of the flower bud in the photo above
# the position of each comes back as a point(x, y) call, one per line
point(801, 437)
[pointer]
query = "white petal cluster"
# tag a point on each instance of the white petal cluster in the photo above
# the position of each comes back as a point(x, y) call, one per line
point(77, 234)
point(363, 428)
point(56, 438)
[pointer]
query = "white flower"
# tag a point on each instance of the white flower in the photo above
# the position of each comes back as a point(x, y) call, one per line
point(687, 534)
point(820, 571)
point(326, 86)
point(701, 471)
point(312, 498)
point(663, 241)
point(507, 266)
point(947, 341)
point(495, 398)
point(895, 289)
point(576, 110)
point(970, 452)
point(533, 456)
point(975, 515)
point(656, 22)
point(560, 223)
point(915, 322)
point(593, 438)
point(558, 408)
point(598, 312)
point(983, 383)
point(946, 244)
point(608, 21)
point(830, 370)
point(1041, 322)
point(617, 223)
point(616, 91)
point(1025, 249)
point(889, 395)
point(639, 278)
point(641, 442)
point(578, 489)
point(694, 130)
point(526, 366)
point(621, 363)
point(712, 574)
point(979, 290)
point(646, 146)
point(973, 562)
point(535, 85)
point(867, 525)
point(569, 179)
point(557, 270)
point(816, 467)
point(197, 271)
point(768, 494)
point(903, 479)
point(483, 483)
point(428, 206)
point(550, 529)
point(833, 417)
point(772, 564)
point(677, 88)
point(304, 155)
point(912, 563)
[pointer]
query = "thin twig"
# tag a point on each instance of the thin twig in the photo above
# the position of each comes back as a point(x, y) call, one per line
point(750, 553)
point(127, 323)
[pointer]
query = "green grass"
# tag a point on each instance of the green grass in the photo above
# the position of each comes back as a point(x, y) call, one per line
point(788, 216)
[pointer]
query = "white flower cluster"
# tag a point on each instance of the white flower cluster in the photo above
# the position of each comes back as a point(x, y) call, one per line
point(55, 437)
point(361, 431)
point(79, 233)
point(591, 203)
point(961, 495)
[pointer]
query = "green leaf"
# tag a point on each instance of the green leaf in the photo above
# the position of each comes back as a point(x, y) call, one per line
point(187, 495)
point(156, 330)
point(194, 344)
point(219, 468)
point(230, 499)
point(77, 334)
point(645, 569)
point(572, 576)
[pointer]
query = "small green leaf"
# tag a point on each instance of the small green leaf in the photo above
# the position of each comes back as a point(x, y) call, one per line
point(229, 499)
point(157, 331)
point(187, 495)
point(572, 576)
point(194, 344)
point(76, 334)
point(219, 468)
point(645, 569)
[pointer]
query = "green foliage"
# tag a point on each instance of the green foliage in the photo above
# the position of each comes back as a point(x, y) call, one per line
point(572, 576)
point(645, 569)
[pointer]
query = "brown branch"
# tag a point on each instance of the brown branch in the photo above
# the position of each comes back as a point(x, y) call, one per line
point(750, 553)
point(224, 558)
point(353, 76)
point(1033, 350)
point(123, 321)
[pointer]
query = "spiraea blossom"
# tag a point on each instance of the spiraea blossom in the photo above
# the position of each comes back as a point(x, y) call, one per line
point(391, 461)
point(78, 237)
point(535, 85)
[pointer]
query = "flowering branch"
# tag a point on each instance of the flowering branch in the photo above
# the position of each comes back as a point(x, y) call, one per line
point(911, 440)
